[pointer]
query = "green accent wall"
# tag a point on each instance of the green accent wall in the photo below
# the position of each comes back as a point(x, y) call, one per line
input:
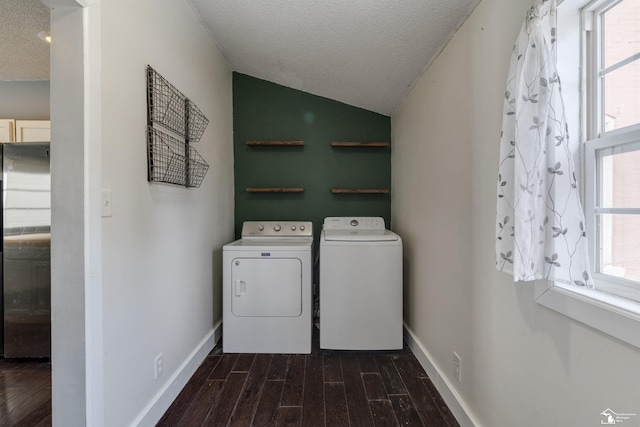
point(267, 111)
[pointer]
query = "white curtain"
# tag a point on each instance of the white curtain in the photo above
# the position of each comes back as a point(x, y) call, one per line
point(540, 231)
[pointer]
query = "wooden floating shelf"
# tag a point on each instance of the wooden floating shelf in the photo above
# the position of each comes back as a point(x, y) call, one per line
point(359, 144)
point(360, 190)
point(276, 143)
point(275, 189)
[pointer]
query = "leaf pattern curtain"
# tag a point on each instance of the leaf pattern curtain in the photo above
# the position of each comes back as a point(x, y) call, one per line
point(540, 232)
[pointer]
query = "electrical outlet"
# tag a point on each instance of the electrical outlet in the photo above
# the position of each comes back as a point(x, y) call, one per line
point(457, 367)
point(157, 366)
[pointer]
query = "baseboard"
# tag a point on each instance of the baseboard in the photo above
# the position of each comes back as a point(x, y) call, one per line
point(451, 397)
point(152, 413)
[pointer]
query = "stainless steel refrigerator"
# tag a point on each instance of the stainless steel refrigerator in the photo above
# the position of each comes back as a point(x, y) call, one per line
point(26, 253)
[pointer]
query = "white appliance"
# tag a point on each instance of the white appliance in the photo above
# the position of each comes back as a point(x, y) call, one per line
point(266, 289)
point(360, 285)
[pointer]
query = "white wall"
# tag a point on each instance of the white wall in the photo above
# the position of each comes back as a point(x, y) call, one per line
point(76, 279)
point(162, 246)
point(522, 364)
point(25, 100)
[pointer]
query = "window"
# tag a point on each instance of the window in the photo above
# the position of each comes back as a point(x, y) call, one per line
point(612, 147)
point(600, 71)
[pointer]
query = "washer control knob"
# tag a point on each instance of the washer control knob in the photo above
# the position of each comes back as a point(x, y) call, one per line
point(261, 227)
point(302, 228)
point(354, 223)
point(293, 228)
point(276, 227)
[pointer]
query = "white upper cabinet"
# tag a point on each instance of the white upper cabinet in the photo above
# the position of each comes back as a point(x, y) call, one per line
point(7, 130)
point(33, 130)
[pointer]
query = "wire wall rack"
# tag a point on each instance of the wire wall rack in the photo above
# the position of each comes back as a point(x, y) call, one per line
point(173, 123)
point(169, 161)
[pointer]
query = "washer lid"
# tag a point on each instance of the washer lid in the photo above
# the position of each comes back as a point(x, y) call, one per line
point(360, 236)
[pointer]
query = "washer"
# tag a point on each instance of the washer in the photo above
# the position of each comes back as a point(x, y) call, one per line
point(266, 291)
point(360, 285)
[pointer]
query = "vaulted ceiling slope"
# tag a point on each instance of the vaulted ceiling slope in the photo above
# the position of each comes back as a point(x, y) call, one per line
point(366, 53)
point(23, 56)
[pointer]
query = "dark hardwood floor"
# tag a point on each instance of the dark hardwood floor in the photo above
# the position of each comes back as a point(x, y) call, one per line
point(325, 388)
point(25, 393)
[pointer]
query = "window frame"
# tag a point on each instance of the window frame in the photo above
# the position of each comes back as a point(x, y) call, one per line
point(604, 282)
point(612, 314)
point(615, 316)
point(597, 138)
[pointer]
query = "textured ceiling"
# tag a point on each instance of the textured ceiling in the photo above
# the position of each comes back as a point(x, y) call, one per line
point(366, 53)
point(23, 56)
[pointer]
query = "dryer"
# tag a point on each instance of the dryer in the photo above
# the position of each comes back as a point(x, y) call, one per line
point(266, 290)
point(360, 285)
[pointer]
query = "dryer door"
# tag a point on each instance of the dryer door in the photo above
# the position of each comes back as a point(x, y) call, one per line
point(266, 287)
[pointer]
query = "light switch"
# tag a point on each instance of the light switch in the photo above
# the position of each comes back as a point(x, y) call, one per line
point(106, 203)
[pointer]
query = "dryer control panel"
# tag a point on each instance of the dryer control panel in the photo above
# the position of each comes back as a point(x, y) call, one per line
point(277, 229)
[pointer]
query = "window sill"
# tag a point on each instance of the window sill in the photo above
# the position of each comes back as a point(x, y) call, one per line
point(612, 315)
